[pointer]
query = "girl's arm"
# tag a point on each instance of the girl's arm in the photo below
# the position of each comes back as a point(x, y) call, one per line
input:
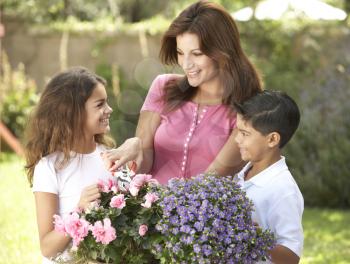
point(51, 242)
point(228, 161)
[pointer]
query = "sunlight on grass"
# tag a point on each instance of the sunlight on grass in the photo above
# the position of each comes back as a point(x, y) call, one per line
point(327, 236)
point(18, 231)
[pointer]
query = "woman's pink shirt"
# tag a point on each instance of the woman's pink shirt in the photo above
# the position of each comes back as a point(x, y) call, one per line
point(187, 140)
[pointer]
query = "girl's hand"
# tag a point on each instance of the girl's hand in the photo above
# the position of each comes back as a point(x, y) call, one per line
point(88, 195)
point(129, 151)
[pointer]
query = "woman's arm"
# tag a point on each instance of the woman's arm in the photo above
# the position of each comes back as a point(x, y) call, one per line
point(228, 161)
point(51, 242)
point(146, 130)
point(139, 148)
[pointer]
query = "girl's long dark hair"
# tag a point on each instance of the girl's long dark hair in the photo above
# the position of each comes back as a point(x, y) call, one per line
point(57, 121)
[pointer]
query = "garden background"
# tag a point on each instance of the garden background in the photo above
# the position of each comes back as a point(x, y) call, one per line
point(119, 39)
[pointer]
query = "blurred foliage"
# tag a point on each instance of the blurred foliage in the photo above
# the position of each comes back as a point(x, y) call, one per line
point(18, 96)
point(40, 11)
point(326, 236)
point(311, 62)
point(154, 25)
point(301, 60)
point(308, 60)
point(52, 10)
point(125, 97)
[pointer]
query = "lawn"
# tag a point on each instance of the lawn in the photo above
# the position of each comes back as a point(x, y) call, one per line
point(327, 237)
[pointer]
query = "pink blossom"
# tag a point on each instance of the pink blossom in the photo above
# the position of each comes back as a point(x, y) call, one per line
point(104, 233)
point(118, 201)
point(138, 181)
point(115, 189)
point(143, 230)
point(111, 183)
point(77, 228)
point(108, 186)
point(150, 198)
point(102, 186)
point(94, 205)
point(59, 224)
point(134, 191)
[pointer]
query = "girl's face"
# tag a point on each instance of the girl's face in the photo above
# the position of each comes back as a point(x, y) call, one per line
point(199, 68)
point(97, 112)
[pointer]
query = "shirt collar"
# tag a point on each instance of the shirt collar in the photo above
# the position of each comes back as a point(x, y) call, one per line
point(263, 177)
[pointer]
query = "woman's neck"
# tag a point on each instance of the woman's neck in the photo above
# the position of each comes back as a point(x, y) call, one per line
point(209, 95)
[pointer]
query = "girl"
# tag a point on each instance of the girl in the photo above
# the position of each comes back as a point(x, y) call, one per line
point(64, 142)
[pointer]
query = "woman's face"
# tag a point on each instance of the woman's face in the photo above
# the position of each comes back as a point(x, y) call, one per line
point(199, 68)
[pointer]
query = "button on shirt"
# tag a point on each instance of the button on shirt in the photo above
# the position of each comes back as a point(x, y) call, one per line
point(278, 203)
point(189, 138)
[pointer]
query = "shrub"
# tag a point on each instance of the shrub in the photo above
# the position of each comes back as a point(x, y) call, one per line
point(18, 96)
point(302, 62)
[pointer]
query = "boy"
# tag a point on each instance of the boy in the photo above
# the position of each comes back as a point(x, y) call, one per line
point(265, 123)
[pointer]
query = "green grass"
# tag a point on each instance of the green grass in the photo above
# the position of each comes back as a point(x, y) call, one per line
point(18, 231)
point(327, 236)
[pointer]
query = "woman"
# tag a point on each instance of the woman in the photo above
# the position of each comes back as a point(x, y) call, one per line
point(186, 124)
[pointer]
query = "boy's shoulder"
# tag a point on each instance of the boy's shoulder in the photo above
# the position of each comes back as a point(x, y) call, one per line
point(279, 179)
point(272, 183)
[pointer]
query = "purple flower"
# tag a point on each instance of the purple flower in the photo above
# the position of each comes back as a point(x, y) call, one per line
point(207, 214)
point(199, 226)
point(196, 248)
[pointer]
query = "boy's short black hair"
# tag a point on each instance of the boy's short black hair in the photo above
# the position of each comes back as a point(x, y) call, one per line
point(271, 111)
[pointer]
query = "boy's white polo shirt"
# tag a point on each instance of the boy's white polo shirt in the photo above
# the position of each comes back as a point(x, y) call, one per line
point(278, 203)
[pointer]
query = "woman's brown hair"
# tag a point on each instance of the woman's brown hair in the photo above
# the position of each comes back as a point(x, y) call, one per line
point(57, 121)
point(219, 39)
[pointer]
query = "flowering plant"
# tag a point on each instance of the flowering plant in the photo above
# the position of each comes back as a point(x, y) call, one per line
point(119, 227)
point(207, 219)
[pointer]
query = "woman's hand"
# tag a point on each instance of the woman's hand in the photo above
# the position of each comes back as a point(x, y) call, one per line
point(130, 150)
point(88, 195)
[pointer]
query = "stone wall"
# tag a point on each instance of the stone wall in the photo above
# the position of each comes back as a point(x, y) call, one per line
point(46, 53)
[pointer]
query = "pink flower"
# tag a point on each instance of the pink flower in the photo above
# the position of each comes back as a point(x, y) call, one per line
point(102, 186)
point(118, 201)
point(143, 230)
point(111, 183)
point(104, 233)
point(150, 198)
point(138, 181)
point(108, 186)
point(77, 228)
point(115, 189)
point(59, 224)
point(134, 191)
point(94, 205)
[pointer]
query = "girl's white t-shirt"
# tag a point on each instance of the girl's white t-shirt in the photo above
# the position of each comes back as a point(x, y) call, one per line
point(81, 171)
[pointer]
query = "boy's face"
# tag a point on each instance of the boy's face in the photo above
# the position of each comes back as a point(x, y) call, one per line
point(252, 144)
